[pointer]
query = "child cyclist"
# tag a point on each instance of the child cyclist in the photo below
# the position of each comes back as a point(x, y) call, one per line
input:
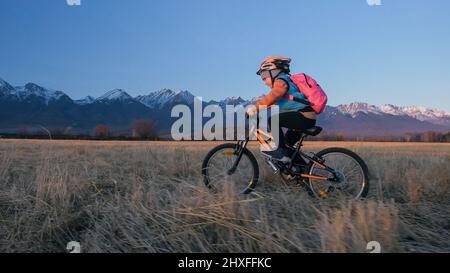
point(294, 113)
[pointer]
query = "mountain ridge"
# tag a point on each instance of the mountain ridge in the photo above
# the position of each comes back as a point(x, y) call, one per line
point(34, 104)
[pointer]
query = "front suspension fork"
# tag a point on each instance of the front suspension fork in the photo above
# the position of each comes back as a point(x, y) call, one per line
point(238, 151)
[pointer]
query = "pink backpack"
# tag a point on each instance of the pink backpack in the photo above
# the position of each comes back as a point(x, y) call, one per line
point(312, 90)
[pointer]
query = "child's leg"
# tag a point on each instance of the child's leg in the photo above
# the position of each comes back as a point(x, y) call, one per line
point(291, 137)
point(294, 120)
point(289, 120)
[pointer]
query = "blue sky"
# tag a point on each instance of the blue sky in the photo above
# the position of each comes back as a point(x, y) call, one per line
point(396, 53)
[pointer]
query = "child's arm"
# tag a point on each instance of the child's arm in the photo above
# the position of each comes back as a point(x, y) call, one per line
point(280, 88)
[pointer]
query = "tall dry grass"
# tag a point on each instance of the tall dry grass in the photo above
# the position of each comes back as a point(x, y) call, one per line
point(149, 197)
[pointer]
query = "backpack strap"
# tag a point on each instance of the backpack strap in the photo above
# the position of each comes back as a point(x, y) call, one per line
point(291, 97)
point(281, 79)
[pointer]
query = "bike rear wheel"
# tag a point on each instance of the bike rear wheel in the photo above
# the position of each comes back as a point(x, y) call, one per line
point(352, 173)
point(219, 161)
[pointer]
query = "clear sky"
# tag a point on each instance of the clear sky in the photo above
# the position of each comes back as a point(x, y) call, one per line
point(396, 53)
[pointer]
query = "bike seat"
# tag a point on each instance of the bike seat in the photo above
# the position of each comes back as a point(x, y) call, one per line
point(313, 131)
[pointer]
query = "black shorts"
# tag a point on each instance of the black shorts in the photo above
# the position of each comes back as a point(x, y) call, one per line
point(292, 120)
point(295, 120)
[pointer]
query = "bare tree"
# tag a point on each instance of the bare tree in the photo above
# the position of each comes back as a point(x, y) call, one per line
point(144, 128)
point(428, 136)
point(102, 130)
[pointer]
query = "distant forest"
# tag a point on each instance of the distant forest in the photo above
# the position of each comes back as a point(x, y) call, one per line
point(145, 129)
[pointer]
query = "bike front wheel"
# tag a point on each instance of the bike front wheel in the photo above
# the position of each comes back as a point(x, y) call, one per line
point(351, 171)
point(218, 163)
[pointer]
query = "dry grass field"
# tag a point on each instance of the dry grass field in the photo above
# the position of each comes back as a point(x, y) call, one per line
point(149, 197)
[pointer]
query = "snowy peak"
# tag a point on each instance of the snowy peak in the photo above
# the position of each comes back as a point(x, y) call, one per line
point(418, 112)
point(183, 96)
point(233, 101)
point(6, 88)
point(163, 97)
point(114, 95)
point(257, 98)
point(86, 100)
point(358, 107)
point(3, 83)
point(34, 90)
point(391, 109)
point(435, 116)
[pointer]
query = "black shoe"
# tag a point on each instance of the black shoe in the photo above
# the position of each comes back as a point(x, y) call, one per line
point(298, 160)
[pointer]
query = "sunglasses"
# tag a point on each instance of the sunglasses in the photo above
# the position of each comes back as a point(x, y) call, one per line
point(264, 74)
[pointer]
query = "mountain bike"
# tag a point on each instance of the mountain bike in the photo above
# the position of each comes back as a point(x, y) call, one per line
point(332, 172)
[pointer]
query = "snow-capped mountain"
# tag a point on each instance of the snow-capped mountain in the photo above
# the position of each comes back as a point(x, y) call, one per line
point(114, 96)
point(30, 91)
point(85, 100)
point(257, 98)
point(434, 116)
point(34, 90)
point(233, 101)
point(161, 98)
point(33, 104)
point(358, 107)
point(5, 88)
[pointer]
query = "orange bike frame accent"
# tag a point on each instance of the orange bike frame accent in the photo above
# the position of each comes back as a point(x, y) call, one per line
point(314, 176)
point(318, 164)
point(260, 139)
point(263, 133)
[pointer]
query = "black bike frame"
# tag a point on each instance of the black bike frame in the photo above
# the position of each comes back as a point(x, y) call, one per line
point(313, 160)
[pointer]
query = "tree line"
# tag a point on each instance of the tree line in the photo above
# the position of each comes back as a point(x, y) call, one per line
point(139, 129)
point(146, 129)
point(429, 136)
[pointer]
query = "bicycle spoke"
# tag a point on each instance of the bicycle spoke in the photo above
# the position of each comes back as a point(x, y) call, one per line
point(352, 173)
point(349, 173)
point(219, 165)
